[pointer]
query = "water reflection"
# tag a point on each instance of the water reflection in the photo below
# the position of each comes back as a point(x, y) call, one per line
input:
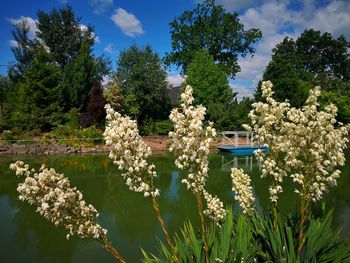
point(229, 160)
point(26, 237)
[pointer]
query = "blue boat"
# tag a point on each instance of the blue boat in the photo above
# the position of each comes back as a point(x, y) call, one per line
point(242, 150)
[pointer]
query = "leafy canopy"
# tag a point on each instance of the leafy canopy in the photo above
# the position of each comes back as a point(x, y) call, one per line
point(209, 82)
point(142, 81)
point(312, 59)
point(209, 27)
point(211, 88)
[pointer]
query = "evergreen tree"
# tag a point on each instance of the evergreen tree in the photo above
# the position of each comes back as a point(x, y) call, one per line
point(211, 88)
point(62, 49)
point(62, 34)
point(23, 51)
point(38, 96)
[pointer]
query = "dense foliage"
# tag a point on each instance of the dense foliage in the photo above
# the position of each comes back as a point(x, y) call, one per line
point(142, 82)
point(312, 59)
point(299, 148)
point(209, 27)
point(211, 88)
point(53, 73)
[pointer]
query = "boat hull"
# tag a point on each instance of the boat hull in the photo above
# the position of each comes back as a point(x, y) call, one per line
point(242, 150)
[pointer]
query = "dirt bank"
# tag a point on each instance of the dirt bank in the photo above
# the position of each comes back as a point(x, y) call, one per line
point(157, 143)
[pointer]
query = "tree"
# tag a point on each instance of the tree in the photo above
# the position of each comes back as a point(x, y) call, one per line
point(70, 45)
point(209, 27)
point(38, 96)
point(62, 49)
point(96, 104)
point(211, 88)
point(62, 34)
point(78, 77)
point(209, 82)
point(23, 51)
point(142, 81)
point(312, 59)
point(7, 99)
point(113, 95)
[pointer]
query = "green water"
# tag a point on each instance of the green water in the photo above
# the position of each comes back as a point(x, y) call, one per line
point(26, 237)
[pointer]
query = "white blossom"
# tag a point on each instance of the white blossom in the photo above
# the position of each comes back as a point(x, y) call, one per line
point(243, 190)
point(215, 208)
point(129, 153)
point(305, 143)
point(57, 201)
point(190, 141)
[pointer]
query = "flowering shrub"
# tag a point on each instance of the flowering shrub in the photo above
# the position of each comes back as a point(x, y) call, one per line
point(243, 190)
point(57, 201)
point(130, 153)
point(305, 144)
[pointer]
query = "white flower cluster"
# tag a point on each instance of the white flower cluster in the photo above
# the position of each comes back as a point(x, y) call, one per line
point(190, 141)
point(130, 153)
point(57, 201)
point(306, 143)
point(243, 190)
point(215, 208)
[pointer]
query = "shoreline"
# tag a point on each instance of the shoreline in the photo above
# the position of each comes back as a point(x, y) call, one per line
point(157, 144)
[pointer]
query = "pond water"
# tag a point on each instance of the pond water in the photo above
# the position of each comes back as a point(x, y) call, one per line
point(26, 237)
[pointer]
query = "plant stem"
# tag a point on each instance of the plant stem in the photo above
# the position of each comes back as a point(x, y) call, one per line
point(111, 249)
point(303, 219)
point(161, 222)
point(274, 207)
point(200, 212)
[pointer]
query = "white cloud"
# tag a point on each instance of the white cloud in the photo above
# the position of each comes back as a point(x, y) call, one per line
point(100, 6)
point(175, 80)
point(13, 43)
point(334, 18)
point(242, 91)
point(31, 23)
point(235, 5)
point(109, 49)
point(127, 22)
point(96, 38)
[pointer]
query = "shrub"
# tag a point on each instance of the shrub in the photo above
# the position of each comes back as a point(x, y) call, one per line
point(65, 134)
point(7, 136)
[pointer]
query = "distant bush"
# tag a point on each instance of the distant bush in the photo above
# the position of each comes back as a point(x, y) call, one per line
point(7, 136)
point(67, 135)
point(156, 128)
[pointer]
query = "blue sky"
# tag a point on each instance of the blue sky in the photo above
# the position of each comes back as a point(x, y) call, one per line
point(119, 23)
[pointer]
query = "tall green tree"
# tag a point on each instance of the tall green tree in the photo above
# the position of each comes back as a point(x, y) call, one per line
point(209, 27)
point(211, 89)
point(38, 95)
point(7, 100)
point(312, 59)
point(23, 51)
point(79, 75)
point(208, 80)
point(62, 49)
point(63, 34)
point(70, 45)
point(142, 81)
